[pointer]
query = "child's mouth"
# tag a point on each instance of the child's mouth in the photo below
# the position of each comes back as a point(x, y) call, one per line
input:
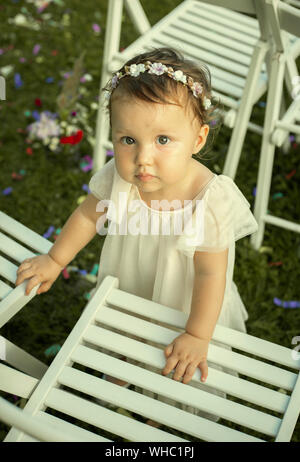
point(145, 177)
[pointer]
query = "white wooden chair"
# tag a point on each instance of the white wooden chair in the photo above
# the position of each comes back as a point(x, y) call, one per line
point(268, 394)
point(17, 242)
point(282, 18)
point(233, 45)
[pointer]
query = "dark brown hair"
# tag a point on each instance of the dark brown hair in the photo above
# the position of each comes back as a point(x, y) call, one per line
point(163, 89)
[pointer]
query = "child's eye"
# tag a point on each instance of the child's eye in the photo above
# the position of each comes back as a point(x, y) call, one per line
point(127, 140)
point(162, 139)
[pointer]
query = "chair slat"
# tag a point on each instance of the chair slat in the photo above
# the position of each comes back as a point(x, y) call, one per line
point(232, 11)
point(189, 395)
point(5, 289)
point(23, 361)
point(63, 426)
point(232, 360)
point(189, 23)
point(178, 319)
point(154, 409)
point(227, 383)
point(14, 301)
point(100, 417)
point(7, 269)
point(11, 248)
point(232, 24)
point(24, 234)
point(146, 353)
point(15, 382)
point(291, 416)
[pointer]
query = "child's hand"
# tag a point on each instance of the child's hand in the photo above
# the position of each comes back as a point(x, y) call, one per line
point(186, 353)
point(41, 269)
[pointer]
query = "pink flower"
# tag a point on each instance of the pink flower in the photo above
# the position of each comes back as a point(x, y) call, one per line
point(197, 89)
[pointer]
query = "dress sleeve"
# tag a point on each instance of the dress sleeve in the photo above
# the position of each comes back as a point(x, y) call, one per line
point(101, 182)
point(225, 217)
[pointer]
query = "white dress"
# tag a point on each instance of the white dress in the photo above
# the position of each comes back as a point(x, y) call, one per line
point(160, 267)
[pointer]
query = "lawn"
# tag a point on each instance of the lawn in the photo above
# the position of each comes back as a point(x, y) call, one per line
point(41, 188)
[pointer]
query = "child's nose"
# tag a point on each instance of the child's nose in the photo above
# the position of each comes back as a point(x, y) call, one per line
point(144, 154)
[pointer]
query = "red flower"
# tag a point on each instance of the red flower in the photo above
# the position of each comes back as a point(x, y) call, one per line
point(29, 151)
point(37, 102)
point(73, 139)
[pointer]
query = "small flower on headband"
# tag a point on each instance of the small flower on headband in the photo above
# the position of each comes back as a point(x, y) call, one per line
point(114, 80)
point(197, 89)
point(179, 76)
point(158, 69)
point(206, 103)
point(136, 69)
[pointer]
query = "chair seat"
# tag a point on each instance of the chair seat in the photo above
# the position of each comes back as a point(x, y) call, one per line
point(221, 38)
point(264, 402)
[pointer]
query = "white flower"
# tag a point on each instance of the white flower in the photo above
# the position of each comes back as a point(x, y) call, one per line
point(206, 103)
point(179, 76)
point(107, 95)
point(158, 69)
point(44, 128)
point(88, 77)
point(71, 129)
point(137, 69)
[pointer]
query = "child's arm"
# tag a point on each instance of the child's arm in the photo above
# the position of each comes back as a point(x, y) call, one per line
point(77, 232)
point(189, 350)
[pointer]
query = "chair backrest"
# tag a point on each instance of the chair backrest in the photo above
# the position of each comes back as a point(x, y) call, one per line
point(139, 18)
point(17, 244)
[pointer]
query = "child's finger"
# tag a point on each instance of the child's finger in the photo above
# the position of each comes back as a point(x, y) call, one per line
point(31, 284)
point(170, 365)
point(204, 370)
point(25, 274)
point(180, 370)
point(44, 287)
point(190, 370)
point(168, 350)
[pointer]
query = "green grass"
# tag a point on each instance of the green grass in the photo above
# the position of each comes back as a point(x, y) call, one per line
point(49, 191)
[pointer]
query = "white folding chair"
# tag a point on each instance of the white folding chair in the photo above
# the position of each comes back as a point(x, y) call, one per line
point(17, 242)
point(118, 322)
point(277, 127)
point(233, 44)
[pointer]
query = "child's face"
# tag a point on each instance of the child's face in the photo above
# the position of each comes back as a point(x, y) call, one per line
point(155, 139)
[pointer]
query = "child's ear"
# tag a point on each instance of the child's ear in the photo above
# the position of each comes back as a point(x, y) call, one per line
point(201, 138)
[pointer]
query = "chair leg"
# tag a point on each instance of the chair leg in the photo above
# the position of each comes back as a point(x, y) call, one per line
point(245, 109)
point(268, 148)
point(111, 47)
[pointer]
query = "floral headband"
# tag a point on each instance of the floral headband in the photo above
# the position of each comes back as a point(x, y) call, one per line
point(158, 68)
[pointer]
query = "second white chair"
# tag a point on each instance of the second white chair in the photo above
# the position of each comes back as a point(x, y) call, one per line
point(220, 33)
